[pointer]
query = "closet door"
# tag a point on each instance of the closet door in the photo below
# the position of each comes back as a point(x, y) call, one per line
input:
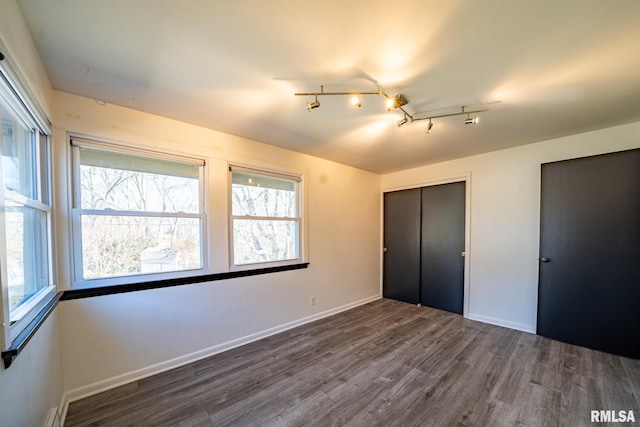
point(401, 279)
point(442, 247)
point(589, 289)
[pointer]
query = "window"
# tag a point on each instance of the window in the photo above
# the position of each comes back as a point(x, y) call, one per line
point(137, 215)
point(24, 209)
point(265, 217)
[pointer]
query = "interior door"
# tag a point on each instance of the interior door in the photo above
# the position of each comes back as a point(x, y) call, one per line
point(442, 247)
point(402, 246)
point(589, 282)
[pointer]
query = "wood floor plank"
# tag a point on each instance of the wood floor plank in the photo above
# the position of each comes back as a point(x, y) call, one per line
point(386, 363)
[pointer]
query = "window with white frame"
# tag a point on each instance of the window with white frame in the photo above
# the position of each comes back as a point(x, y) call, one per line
point(25, 266)
point(137, 215)
point(265, 217)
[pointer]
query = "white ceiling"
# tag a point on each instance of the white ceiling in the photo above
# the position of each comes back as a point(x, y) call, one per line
point(545, 68)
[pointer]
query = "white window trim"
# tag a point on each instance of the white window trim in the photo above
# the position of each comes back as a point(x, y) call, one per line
point(25, 96)
point(78, 281)
point(102, 144)
point(14, 196)
point(300, 209)
point(24, 104)
point(30, 309)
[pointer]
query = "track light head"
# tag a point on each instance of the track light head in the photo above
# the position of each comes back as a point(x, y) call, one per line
point(389, 104)
point(312, 105)
point(396, 102)
point(429, 127)
point(402, 121)
point(355, 100)
point(471, 121)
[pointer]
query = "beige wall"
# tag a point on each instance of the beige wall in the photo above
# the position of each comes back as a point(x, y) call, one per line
point(504, 217)
point(15, 35)
point(115, 338)
point(100, 342)
point(33, 383)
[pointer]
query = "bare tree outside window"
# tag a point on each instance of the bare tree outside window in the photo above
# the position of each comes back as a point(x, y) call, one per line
point(265, 218)
point(138, 215)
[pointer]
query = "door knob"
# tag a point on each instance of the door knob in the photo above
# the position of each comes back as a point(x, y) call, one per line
point(463, 253)
point(384, 250)
point(544, 259)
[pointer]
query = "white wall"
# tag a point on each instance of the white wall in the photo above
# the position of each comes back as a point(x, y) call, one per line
point(33, 383)
point(505, 220)
point(106, 340)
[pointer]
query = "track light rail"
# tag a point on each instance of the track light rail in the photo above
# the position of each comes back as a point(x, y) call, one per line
point(461, 113)
point(322, 92)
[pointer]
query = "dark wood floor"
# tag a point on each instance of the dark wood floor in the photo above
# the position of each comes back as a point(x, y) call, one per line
point(386, 363)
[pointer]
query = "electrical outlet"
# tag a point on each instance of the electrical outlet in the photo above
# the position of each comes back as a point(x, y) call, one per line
point(312, 300)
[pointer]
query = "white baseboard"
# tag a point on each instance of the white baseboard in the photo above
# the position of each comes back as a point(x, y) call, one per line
point(505, 323)
point(104, 385)
point(53, 418)
point(63, 408)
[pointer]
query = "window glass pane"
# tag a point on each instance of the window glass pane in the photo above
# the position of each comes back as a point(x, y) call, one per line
point(128, 245)
point(257, 241)
point(26, 252)
point(260, 195)
point(135, 183)
point(18, 154)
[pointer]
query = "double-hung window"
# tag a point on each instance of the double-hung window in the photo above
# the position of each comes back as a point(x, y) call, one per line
point(137, 215)
point(265, 217)
point(25, 262)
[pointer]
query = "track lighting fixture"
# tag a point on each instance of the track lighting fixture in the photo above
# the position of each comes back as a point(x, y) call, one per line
point(391, 102)
point(471, 121)
point(427, 130)
point(312, 105)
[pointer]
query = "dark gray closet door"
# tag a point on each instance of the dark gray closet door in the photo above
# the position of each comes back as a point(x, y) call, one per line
point(402, 245)
point(442, 265)
point(589, 282)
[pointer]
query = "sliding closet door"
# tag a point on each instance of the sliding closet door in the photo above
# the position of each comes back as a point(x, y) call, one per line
point(402, 246)
point(442, 248)
point(589, 290)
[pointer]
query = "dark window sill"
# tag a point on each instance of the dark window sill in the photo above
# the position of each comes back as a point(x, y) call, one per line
point(18, 344)
point(23, 338)
point(157, 284)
